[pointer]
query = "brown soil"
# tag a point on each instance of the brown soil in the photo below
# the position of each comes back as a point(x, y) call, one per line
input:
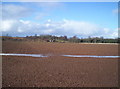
point(58, 71)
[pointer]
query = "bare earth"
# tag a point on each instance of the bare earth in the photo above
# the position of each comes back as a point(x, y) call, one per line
point(58, 71)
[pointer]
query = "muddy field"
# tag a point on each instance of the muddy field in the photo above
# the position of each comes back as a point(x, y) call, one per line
point(58, 71)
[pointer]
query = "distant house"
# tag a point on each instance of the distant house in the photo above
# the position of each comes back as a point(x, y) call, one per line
point(47, 40)
point(53, 40)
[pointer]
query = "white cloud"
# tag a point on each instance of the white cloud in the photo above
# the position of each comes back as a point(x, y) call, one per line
point(112, 33)
point(64, 27)
point(106, 30)
point(19, 30)
point(16, 11)
point(11, 11)
point(49, 20)
point(116, 11)
point(25, 22)
point(80, 28)
point(7, 25)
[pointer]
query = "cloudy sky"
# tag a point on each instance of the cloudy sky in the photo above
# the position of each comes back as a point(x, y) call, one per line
point(82, 19)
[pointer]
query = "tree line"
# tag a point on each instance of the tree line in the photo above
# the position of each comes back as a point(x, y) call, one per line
point(63, 39)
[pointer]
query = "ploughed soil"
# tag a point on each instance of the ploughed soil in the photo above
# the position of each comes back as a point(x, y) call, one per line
point(58, 71)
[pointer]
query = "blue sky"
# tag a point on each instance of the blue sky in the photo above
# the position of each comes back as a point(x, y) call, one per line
point(61, 18)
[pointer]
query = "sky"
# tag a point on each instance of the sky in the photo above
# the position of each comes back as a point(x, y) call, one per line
point(82, 19)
